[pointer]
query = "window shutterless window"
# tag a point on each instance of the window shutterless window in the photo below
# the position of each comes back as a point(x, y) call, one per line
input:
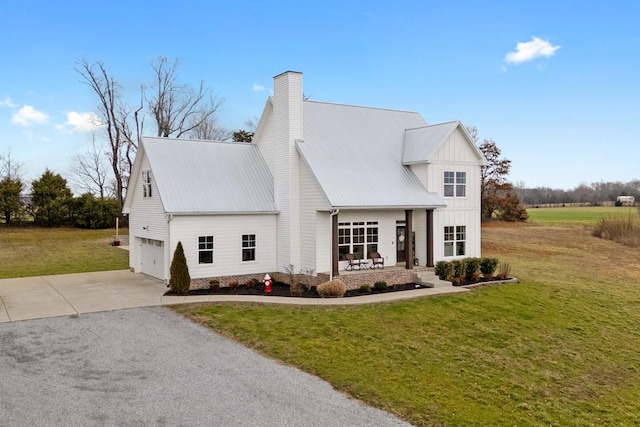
point(205, 250)
point(455, 240)
point(355, 237)
point(455, 184)
point(146, 184)
point(248, 247)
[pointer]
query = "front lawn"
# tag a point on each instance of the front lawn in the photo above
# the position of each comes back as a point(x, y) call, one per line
point(34, 251)
point(560, 348)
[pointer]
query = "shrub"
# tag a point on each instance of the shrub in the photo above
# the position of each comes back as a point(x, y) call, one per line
point(471, 267)
point(252, 283)
point(333, 288)
point(179, 280)
point(623, 230)
point(457, 271)
point(233, 285)
point(443, 270)
point(365, 289)
point(380, 286)
point(488, 267)
point(214, 285)
point(504, 270)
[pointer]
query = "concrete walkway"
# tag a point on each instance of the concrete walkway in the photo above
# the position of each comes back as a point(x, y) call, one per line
point(70, 294)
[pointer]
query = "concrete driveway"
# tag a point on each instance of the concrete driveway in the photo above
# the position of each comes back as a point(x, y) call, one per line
point(66, 294)
point(151, 367)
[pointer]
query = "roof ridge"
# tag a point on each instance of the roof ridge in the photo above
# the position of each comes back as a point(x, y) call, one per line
point(361, 106)
point(434, 125)
point(216, 141)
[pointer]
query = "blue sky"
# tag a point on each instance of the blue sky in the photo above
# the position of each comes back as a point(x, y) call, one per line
point(555, 83)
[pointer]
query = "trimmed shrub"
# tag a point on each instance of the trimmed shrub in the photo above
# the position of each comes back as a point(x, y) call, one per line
point(443, 270)
point(214, 285)
point(179, 280)
point(333, 288)
point(471, 267)
point(365, 289)
point(380, 286)
point(457, 271)
point(488, 266)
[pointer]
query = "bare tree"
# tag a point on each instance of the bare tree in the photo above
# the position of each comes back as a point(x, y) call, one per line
point(178, 108)
point(90, 170)
point(209, 129)
point(114, 116)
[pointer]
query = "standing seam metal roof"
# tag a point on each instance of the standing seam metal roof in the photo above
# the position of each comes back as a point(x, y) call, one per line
point(356, 153)
point(194, 176)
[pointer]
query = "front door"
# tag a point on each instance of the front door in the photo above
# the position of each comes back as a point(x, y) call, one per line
point(401, 238)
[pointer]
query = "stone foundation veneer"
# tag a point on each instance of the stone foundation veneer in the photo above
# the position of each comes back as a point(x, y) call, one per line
point(352, 281)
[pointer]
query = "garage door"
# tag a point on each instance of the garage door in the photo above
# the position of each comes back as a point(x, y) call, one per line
point(152, 257)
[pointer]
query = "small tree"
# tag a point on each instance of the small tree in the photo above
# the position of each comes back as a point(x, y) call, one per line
point(52, 199)
point(10, 190)
point(180, 280)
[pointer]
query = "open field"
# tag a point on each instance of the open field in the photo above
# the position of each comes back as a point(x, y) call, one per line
point(578, 215)
point(560, 348)
point(36, 251)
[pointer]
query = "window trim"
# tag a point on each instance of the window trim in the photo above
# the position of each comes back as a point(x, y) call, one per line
point(251, 249)
point(455, 184)
point(365, 234)
point(206, 249)
point(455, 239)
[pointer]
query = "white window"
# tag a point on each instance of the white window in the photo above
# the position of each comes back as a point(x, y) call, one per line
point(455, 184)
point(205, 250)
point(146, 184)
point(355, 237)
point(248, 247)
point(454, 240)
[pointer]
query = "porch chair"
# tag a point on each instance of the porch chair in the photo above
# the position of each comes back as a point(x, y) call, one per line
point(353, 262)
point(376, 259)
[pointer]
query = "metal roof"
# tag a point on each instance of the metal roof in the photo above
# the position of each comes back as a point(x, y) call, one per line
point(355, 154)
point(421, 143)
point(194, 176)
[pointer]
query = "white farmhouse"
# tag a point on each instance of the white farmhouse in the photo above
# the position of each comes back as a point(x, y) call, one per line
point(319, 181)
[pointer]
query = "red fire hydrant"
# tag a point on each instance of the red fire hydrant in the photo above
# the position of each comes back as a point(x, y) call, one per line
point(267, 284)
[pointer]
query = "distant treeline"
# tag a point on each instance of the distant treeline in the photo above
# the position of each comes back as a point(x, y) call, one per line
point(596, 193)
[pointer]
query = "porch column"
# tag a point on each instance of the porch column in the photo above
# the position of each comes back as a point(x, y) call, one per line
point(334, 245)
point(408, 246)
point(429, 237)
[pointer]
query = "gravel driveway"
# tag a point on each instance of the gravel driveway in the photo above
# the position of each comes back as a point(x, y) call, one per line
point(151, 367)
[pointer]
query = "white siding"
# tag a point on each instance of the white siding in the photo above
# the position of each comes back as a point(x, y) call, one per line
point(314, 237)
point(264, 139)
point(287, 113)
point(146, 219)
point(227, 231)
point(454, 155)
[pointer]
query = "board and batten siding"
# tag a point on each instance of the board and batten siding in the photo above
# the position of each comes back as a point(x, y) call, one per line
point(315, 245)
point(147, 218)
point(454, 155)
point(227, 231)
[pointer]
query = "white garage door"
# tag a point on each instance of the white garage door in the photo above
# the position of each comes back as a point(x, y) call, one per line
point(152, 257)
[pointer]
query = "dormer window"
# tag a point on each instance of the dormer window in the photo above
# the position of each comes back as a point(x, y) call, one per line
point(146, 184)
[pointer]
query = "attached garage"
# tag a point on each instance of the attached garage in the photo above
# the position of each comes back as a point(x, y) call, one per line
point(152, 257)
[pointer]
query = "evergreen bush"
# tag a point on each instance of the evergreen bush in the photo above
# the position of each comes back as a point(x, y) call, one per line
point(443, 270)
point(179, 280)
point(488, 267)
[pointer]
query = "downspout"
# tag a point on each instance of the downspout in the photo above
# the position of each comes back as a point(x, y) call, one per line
point(332, 213)
point(169, 218)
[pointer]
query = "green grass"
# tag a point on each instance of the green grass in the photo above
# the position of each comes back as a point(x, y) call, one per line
point(42, 251)
point(560, 348)
point(577, 215)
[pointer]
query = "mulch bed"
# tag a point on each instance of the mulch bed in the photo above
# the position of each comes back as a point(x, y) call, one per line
point(283, 290)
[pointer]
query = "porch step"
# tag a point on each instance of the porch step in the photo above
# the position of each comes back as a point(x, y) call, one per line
point(430, 280)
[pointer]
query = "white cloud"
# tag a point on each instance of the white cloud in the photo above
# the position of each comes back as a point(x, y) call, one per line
point(528, 51)
point(83, 122)
point(28, 115)
point(258, 88)
point(6, 102)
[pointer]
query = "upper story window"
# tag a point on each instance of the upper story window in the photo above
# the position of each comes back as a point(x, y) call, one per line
point(146, 184)
point(248, 247)
point(455, 184)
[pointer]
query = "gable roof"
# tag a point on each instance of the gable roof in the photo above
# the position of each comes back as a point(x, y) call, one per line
point(209, 177)
point(420, 144)
point(355, 154)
